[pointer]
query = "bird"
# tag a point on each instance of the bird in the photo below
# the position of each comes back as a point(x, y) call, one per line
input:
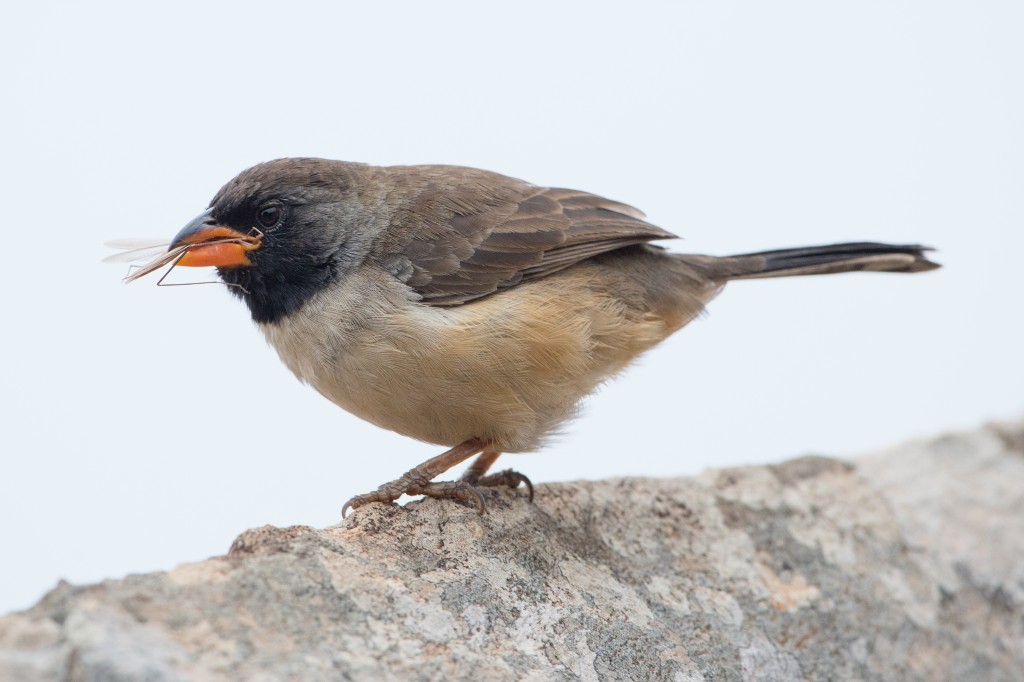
point(461, 307)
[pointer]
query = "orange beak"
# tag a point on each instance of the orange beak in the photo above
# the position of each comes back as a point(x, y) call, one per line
point(215, 245)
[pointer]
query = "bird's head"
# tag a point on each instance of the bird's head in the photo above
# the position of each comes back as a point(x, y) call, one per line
point(281, 231)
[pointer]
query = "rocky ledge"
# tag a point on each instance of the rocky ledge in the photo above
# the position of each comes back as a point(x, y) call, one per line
point(907, 564)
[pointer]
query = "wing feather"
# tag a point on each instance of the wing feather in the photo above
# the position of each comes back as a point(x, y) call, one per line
point(476, 238)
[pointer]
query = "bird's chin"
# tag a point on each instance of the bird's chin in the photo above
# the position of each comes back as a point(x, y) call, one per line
point(239, 279)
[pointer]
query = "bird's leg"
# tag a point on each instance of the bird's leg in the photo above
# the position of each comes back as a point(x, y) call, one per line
point(480, 466)
point(417, 481)
point(475, 474)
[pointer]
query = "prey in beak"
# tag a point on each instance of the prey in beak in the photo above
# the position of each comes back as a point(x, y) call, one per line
point(201, 243)
point(206, 243)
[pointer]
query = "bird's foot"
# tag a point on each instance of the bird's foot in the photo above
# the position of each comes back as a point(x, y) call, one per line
point(509, 477)
point(419, 480)
point(407, 485)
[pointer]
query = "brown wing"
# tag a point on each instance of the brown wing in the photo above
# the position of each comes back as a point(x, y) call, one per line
point(471, 241)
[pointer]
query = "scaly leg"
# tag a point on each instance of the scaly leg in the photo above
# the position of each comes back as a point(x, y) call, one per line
point(474, 475)
point(417, 481)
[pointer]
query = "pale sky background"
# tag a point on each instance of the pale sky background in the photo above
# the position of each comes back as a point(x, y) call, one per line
point(143, 427)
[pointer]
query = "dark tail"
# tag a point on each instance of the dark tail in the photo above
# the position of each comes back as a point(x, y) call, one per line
point(824, 260)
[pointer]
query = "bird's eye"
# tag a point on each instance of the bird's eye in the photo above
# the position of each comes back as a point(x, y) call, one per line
point(270, 215)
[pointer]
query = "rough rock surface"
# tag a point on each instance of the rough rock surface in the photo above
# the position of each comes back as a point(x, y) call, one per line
point(905, 565)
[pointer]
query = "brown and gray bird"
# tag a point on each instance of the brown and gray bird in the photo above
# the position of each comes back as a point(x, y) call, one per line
point(462, 307)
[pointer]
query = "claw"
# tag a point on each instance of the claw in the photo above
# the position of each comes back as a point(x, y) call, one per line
point(460, 490)
point(360, 500)
point(479, 496)
point(529, 486)
point(479, 500)
point(508, 477)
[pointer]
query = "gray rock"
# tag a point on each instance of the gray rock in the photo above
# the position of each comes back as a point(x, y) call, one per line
point(904, 565)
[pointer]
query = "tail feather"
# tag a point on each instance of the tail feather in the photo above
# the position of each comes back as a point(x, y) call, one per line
point(824, 260)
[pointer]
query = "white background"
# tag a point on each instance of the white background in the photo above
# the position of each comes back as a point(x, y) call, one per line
point(142, 427)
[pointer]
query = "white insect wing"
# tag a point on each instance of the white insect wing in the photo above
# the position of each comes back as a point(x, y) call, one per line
point(134, 250)
point(158, 262)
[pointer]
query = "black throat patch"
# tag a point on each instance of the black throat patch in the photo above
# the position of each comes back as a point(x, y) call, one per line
point(274, 293)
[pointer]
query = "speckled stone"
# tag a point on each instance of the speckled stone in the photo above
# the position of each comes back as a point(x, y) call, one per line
point(906, 564)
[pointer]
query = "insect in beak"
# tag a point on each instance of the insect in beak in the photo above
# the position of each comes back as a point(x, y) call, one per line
point(201, 243)
point(207, 243)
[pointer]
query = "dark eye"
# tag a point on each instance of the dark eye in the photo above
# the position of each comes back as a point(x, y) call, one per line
point(270, 215)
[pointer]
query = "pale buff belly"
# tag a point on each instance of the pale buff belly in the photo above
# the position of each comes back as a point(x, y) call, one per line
point(509, 368)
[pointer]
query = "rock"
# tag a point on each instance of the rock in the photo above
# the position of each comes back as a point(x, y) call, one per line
point(907, 564)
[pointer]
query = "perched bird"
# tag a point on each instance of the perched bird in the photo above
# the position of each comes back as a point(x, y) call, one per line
point(462, 307)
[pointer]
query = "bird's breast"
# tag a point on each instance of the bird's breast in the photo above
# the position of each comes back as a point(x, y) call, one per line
point(508, 368)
